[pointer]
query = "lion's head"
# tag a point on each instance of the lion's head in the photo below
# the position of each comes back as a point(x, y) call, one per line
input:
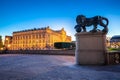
point(80, 19)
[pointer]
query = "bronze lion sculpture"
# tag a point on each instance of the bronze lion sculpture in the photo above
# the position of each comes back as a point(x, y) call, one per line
point(83, 22)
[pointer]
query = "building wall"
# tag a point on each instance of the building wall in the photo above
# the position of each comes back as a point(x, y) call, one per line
point(108, 42)
point(115, 41)
point(37, 39)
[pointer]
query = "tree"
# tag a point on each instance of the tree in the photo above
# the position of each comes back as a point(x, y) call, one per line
point(62, 45)
point(1, 44)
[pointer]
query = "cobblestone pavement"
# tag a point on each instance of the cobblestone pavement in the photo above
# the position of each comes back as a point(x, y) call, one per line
point(52, 67)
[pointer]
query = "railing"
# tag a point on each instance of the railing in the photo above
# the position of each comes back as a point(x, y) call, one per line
point(44, 52)
point(113, 57)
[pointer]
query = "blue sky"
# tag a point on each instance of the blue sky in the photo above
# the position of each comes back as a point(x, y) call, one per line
point(18, 15)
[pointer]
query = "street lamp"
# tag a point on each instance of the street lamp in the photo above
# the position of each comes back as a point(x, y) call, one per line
point(1, 48)
point(6, 39)
point(9, 45)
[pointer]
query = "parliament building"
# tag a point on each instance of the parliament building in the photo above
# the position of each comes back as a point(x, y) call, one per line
point(37, 39)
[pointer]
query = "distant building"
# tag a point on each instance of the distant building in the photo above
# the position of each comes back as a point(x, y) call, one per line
point(8, 42)
point(108, 42)
point(115, 41)
point(36, 39)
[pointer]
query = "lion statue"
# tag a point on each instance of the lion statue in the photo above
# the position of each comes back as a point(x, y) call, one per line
point(83, 22)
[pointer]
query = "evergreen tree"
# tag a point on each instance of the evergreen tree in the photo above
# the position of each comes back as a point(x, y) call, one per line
point(1, 44)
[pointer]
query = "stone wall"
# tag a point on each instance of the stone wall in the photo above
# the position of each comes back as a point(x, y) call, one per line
point(48, 52)
point(112, 57)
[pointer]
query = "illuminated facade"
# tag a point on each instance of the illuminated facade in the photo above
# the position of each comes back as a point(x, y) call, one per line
point(8, 42)
point(115, 41)
point(108, 42)
point(36, 39)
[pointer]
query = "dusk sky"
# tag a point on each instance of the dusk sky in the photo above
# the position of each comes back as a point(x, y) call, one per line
point(16, 15)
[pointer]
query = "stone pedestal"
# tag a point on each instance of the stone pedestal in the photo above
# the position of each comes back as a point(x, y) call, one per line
point(90, 48)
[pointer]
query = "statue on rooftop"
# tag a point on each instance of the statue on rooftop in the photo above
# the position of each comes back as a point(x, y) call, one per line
point(83, 22)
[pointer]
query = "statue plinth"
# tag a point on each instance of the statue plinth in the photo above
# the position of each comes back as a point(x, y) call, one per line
point(90, 48)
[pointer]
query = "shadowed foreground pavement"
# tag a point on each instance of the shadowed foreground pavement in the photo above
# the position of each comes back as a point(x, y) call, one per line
point(52, 67)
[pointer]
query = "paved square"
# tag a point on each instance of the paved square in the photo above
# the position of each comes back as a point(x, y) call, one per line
point(52, 67)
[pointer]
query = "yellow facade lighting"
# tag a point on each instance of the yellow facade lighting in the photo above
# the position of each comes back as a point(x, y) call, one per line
point(9, 45)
